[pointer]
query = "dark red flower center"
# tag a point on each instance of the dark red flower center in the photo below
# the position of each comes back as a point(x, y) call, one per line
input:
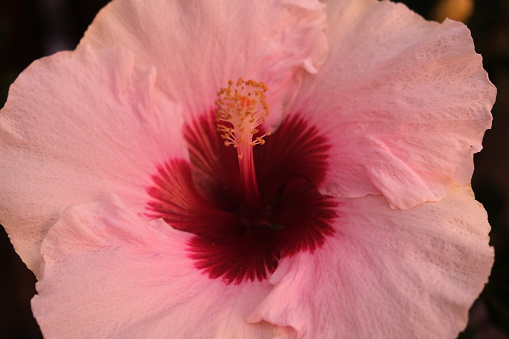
point(236, 238)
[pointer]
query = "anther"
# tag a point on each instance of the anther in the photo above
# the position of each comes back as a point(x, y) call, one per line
point(241, 108)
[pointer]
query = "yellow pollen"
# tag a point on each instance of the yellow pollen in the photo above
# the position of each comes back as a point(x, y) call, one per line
point(241, 108)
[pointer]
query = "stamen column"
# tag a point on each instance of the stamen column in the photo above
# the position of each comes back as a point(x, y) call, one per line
point(241, 109)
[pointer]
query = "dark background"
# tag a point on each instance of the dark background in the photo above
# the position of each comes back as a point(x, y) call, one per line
point(30, 29)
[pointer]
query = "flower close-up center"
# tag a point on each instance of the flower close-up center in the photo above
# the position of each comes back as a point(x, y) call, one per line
point(250, 169)
point(247, 206)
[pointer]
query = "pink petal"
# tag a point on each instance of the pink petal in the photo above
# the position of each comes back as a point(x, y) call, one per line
point(388, 273)
point(108, 274)
point(80, 125)
point(197, 46)
point(76, 127)
point(404, 101)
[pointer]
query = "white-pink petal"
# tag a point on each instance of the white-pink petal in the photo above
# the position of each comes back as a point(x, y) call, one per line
point(405, 103)
point(80, 125)
point(197, 46)
point(387, 273)
point(109, 274)
point(76, 127)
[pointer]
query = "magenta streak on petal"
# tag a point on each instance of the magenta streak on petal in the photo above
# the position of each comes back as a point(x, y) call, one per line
point(203, 197)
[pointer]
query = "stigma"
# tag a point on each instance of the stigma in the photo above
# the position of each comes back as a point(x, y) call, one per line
point(241, 109)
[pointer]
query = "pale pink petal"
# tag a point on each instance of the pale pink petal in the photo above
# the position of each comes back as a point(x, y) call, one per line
point(197, 46)
point(77, 126)
point(80, 125)
point(387, 273)
point(108, 274)
point(404, 102)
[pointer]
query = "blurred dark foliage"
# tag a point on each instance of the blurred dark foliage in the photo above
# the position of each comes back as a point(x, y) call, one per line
point(30, 29)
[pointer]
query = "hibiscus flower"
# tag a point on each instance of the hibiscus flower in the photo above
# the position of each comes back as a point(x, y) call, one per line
point(250, 169)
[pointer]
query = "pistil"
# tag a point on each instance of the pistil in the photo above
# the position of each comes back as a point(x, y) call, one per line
point(241, 109)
